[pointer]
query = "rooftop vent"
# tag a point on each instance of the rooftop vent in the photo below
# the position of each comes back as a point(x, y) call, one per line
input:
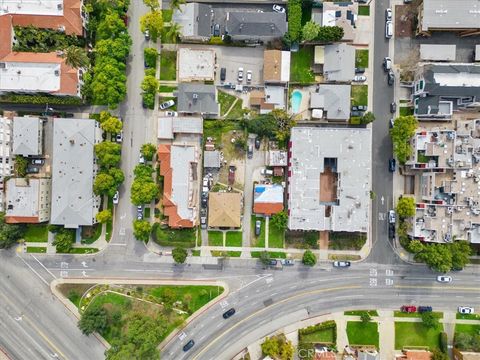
point(57, 73)
point(59, 6)
point(2, 65)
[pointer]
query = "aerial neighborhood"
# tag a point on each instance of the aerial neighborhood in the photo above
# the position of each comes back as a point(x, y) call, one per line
point(288, 164)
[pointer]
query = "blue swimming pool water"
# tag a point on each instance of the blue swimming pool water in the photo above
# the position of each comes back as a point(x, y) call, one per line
point(295, 101)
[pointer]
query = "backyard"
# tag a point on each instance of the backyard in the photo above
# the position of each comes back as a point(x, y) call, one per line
point(361, 58)
point(416, 334)
point(360, 333)
point(359, 95)
point(168, 65)
point(301, 66)
point(173, 237)
point(226, 101)
point(36, 233)
point(257, 241)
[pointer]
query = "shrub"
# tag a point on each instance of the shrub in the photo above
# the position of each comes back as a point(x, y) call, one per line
point(294, 19)
point(150, 55)
point(39, 99)
point(330, 324)
point(443, 342)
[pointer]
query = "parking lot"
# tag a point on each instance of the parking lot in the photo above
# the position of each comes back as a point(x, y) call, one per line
point(232, 58)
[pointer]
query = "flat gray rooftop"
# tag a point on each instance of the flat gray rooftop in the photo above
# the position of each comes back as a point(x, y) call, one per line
point(451, 14)
point(27, 136)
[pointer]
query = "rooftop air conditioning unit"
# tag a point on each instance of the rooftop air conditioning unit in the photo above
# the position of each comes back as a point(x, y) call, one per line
point(57, 73)
point(59, 6)
point(3, 65)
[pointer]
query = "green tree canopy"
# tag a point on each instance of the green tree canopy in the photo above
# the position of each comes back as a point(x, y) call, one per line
point(278, 347)
point(9, 233)
point(153, 22)
point(103, 184)
point(150, 84)
point(108, 154)
point(179, 255)
point(265, 257)
point(415, 246)
point(461, 252)
point(63, 241)
point(329, 34)
point(430, 320)
point(93, 319)
point(104, 216)
point(437, 256)
point(152, 4)
point(108, 85)
point(310, 31)
point(406, 207)
point(367, 118)
point(438, 355)
point(117, 48)
point(279, 220)
point(143, 171)
point(294, 20)
point(143, 192)
point(402, 131)
point(309, 258)
point(142, 230)
point(112, 125)
point(111, 26)
point(175, 4)
point(76, 57)
point(150, 55)
point(148, 151)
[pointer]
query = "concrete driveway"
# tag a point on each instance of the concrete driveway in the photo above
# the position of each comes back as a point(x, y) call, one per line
point(231, 58)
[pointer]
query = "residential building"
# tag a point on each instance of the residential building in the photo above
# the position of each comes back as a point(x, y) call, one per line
point(269, 98)
point(329, 179)
point(277, 158)
point(332, 100)
point(196, 64)
point(212, 159)
point(250, 26)
point(276, 66)
point(441, 89)
point(6, 159)
point(445, 168)
point(267, 199)
point(414, 355)
point(73, 170)
point(170, 125)
point(444, 15)
point(27, 200)
point(339, 63)
point(195, 21)
point(196, 98)
point(224, 209)
point(438, 52)
point(342, 14)
point(27, 136)
point(178, 166)
point(465, 355)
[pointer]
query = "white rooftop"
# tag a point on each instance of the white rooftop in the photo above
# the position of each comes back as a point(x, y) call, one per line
point(438, 52)
point(196, 64)
point(22, 197)
point(350, 152)
point(272, 193)
point(32, 7)
point(26, 76)
point(168, 126)
point(181, 158)
point(466, 79)
point(27, 132)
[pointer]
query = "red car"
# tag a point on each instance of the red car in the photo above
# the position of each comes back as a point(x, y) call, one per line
point(408, 309)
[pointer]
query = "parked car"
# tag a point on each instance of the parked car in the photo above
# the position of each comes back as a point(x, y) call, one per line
point(392, 217)
point(391, 78)
point(359, 78)
point(422, 309)
point(278, 8)
point(272, 262)
point(444, 279)
point(37, 162)
point(388, 29)
point(228, 313)
point(388, 14)
point(171, 113)
point(258, 227)
point(216, 30)
point(204, 202)
point(249, 76)
point(341, 264)
point(393, 107)
point(139, 212)
point(203, 222)
point(387, 63)
point(408, 309)
point(392, 122)
point(266, 172)
point(250, 151)
point(359, 70)
point(116, 198)
point(33, 170)
point(391, 231)
point(362, 107)
point(354, 108)
point(466, 310)
point(240, 74)
point(223, 74)
point(119, 137)
point(147, 35)
point(166, 104)
point(392, 165)
point(141, 159)
point(188, 345)
point(288, 262)
point(257, 143)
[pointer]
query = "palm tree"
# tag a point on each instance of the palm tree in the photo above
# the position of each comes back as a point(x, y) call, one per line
point(75, 57)
point(174, 32)
point(175, 4)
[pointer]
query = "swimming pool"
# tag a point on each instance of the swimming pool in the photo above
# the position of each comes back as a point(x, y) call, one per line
point(295, 101)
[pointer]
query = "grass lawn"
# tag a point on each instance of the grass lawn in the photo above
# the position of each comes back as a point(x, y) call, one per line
point(468, 316)
point(168, 65)
point(91, 234)
point(36, 233)
point(346, 240)
point(416, 334)
point(362, 334)
point(275, 237)
point(360, 312)
point(470, 329)
point(438, 314)
point(36, 249)
point(273, 254)
point(195, 252)
point(361, 58)
point(215, 238)
point(174, 237)
point(258, 241)
point(166, 89)
point(86, 250)
point(234, 253)
point(359, 95)
point(364, 10)
point(226, 101)
point(237, 111)
point(320, 336)
point(109, 225)
point(300, 68)
point(167, 15)
point(216, 128)
point(406, 110)
point(234, 238)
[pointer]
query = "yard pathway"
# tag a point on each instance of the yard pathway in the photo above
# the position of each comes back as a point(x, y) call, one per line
point(266, 230)
point(342, 338)
point(231, 107)
point(386, 331)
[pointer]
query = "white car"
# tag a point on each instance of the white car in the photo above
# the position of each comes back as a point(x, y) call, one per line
point(466, 310)
point(119, 137)
point(444, 279)
point(388, 14)
point(341, 263)
point(116, 198)
point(141, 159)
point(278, 8)
point(249, 76)
point(391, 217)
point(387, 63)
point(240, 74)
point(167, 104)
point(360, 78)
point(171, 113)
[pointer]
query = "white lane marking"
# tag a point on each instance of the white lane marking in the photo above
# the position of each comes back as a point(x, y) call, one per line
point(34, 271)
point(273, 294)
point(389, 272)
point(293, 287)
point(44, 266)
point(347, 296)
point(260, 277)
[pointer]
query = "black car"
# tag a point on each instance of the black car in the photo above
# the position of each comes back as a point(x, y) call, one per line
point(391, 231)
point(188, 345)
point(228, 313)
point(391, 165)
point(393, 107)
point(216, 30)
point(356, 113)
point(362, 107)
point(223, 74)
point(391, 78)
point(272, 262)
point(257, 143)
point(359, 70)
point(204, 202)
point(354, 108)
point(422, 309)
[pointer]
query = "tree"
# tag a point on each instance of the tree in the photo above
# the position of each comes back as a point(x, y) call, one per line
point(438, 355)
point(148, 100)
point(310, 31)
point(103, 184)
point(279, 220)
point(367, 118)
point(265, 257)
point(437, 256)
point(93, 319)
point(150, 55)
point(365, 317)
point(415, 246)
point(64, 240)
point(406, 207)
point(262, 125)
point(461, 252)
point(284, 123)
point(148, 151)
point(149, 84)
point(76, 57)
point(117, 48)
point(108, 154)
point(117, 175)
point(104, 216)
point(9, 233)
point(108, 85)
point(463, 341)
point(241, 143)
point(329, 34)
point(402, 131)
point(278, 347)
point(430, 320)
point(153, 22)
point(143, 171)
point(179, 255)
point(309, 258)
point(111, 26)
point(143, 192)
point(174, 32)
point(152, 4)
point(21, 164)
point(112, 125)
point(142, 230)
point(294, 19)
point(175, 4)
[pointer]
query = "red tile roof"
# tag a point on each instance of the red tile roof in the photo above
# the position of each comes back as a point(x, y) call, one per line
point(21, 219)
point(267, 208)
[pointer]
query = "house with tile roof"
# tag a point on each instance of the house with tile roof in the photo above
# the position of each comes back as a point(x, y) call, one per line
point(267, 199)
point(224, 209)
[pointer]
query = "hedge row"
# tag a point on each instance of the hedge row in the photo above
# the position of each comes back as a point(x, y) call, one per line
point(330, 324)
point(40, 99)
point(444, 342)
